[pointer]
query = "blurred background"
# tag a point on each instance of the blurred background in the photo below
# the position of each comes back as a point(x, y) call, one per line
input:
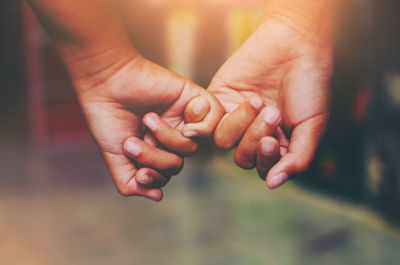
point(58, 204)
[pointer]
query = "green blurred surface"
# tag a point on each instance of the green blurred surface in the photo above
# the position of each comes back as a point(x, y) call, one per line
point(225, 217)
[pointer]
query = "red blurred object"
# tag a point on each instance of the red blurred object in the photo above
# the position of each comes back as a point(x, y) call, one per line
point(54, 115)
point(361, 103)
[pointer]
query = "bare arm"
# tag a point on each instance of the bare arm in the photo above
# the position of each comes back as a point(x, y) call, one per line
point(315, 18)
point(88, 35)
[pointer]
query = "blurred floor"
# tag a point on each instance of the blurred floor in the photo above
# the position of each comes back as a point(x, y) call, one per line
point(73, 215)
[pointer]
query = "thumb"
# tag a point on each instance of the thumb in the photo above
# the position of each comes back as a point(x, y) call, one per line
point(303, 144)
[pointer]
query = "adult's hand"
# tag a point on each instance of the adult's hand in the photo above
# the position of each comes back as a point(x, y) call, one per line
point(287, 63)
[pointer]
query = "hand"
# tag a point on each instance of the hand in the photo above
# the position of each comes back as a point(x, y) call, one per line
point(114, 109)
point(289, 68)
point(116, 87)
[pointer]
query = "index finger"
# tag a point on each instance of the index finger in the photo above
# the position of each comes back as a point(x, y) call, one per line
point(264, 125)
point(235, 124)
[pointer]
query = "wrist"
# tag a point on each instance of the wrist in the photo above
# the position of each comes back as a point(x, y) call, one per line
point(315, 20)
point(94, 64)
point(99, 51)
point(89, 36)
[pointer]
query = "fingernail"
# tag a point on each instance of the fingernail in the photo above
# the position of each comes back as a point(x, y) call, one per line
point(133, 148)
point(256, 102)
point(268, 148)
point(277, 180)
point(190, 134)
point(151, 122)
point(271, 115)
point(145, 179)
point(199, 106)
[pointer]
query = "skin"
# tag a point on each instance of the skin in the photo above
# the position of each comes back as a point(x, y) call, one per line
point(116, 87)
point(286, 65)
point(287, 62)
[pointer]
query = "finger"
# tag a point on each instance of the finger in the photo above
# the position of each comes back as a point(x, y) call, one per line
point(149, 178)
point(169, 137)
point(196, 110)
point(149, 156)
point(123, 171)
point(302, 147)
point(282, 139)
point(150, 140)
point(268, 154)
point(234, 125)
point(264, 125)
point(207, 126)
